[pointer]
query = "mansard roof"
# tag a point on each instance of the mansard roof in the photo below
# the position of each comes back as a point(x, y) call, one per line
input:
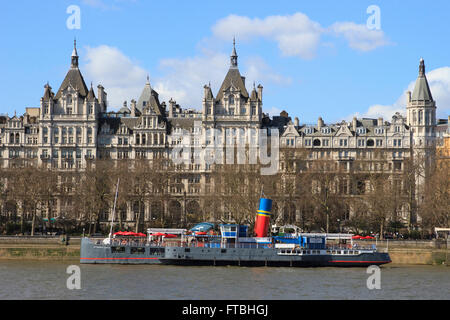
point(150, 97)
point(184, 123)
point(234, 78)
point(75, 79)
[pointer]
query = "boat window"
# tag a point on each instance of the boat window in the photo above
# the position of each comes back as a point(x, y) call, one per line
point(338, 252)
point(137, 250)
point(187, 249)
point(328, 251)
point(334, 251)
point(156, 251)
point(117, 249)
point(345, 252)
point(308, 252)
point(223, 250)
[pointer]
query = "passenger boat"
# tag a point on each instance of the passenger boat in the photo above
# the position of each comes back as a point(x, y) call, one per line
point(234, 247)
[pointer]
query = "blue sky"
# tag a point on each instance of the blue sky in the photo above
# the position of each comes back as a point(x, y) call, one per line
point(313, 58)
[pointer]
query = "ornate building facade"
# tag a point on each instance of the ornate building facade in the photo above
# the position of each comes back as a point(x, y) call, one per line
point(73, 127)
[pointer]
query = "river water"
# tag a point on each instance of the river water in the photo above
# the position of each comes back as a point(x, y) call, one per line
point(48, 280)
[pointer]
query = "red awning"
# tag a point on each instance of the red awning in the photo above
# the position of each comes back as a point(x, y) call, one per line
point(368, 237)
point(170, 235)
point(158, 234)
point(129, 234)
point(356, 237)
point(200, 233)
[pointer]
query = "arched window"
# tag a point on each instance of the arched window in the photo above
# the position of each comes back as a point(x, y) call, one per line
point(17, 138)
point(316, 143)
point(370, 143)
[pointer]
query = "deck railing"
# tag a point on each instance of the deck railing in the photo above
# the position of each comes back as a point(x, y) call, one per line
point(212, 245)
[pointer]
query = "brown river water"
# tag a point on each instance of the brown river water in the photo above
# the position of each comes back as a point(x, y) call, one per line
point(48, 280)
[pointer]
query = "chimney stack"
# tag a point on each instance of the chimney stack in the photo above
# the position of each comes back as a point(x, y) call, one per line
point(133, 108)
point(380, 121)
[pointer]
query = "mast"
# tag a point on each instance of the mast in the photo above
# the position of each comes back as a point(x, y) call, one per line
point(114, 208)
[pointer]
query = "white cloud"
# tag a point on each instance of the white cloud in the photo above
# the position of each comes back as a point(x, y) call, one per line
point(359, 37)
point(183, 79)
point(297, 35)
point(439, 82)
point(122, 78)
point(180, 79)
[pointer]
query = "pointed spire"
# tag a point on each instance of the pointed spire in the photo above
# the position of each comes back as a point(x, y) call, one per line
point(74, 57)
point(422, 90)
point(422, 67)
point(74, 52)
point(234, 56)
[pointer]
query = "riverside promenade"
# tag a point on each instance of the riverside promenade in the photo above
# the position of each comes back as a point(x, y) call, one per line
point(402, 252)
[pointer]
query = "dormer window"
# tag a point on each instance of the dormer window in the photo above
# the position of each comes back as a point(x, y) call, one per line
point(69, 99)
point(361, 130)
point(231, 100)
point(308, 130)
point(326, 130)
point(379, 130)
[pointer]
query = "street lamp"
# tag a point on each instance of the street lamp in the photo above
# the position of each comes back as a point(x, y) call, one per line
point(184, 207)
